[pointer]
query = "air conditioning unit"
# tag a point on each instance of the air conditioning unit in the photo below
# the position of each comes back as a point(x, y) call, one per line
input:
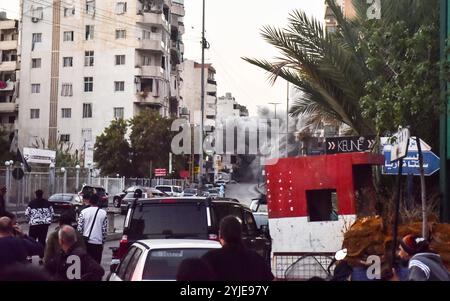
point(34, 20)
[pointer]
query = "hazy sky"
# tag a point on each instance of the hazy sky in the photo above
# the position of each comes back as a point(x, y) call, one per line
point(233, 31)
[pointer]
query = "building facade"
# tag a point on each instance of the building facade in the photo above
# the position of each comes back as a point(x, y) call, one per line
point(88, 62)
point(9, 66)
point(330, 19)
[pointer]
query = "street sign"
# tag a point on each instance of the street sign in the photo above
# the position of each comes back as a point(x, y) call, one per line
point(400, 144)
point(184, 174)
point(160, 172)
point(197, 169)
point(340, 145)
point(39, 156)
point(431, 164)
point(411, 147)
point(18, 173)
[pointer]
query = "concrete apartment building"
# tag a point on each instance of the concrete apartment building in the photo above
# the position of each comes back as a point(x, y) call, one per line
point(330, 19)
point(9, 66)
point(191, 93)
point(87, 62)
point(227, 106)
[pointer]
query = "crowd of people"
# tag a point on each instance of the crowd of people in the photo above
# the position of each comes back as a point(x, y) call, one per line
point(84, 239)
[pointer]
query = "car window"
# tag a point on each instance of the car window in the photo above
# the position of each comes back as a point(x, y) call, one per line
point(169, 220)
point(132, 265)
point(121, 270)
point(163, 264)
point(129, 195)
point(164, 188)
point(177, 189)
point(250, 222)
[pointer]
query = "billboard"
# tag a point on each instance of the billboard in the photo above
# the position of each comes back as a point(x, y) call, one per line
point(39, 156)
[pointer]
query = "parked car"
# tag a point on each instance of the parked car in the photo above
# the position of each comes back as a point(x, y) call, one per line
point(214, 192)
point(190, 192)
point(117, 199)
point(69, 203)
point(170, 190)
point(158, 259)
point(147, 192)
point(99, 190)
point(188, 218)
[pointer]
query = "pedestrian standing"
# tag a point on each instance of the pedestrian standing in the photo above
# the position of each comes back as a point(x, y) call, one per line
point(234, 262)
point(40, 215)
point(3, 211)
point(93, 225)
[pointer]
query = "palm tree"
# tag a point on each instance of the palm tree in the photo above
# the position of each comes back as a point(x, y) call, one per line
point(327, 68)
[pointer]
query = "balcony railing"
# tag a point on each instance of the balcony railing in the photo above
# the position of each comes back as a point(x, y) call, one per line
point(212, 82)
point(177, 9)
point(151, 71)
point(8, 45)
point(8, 66)
point(147, 99)
point(8, 107)
point(153, 18)
point(151, 44)
point(8, 24)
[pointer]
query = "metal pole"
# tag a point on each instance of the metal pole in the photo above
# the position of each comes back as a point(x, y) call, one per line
point(397, 209)
point(65, 181)
point(200, 175)
point(423, 191)
point(7, 184)
point(287, 120)
point(77, 178)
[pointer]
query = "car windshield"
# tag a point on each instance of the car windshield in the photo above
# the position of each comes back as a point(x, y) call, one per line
point(60, 198)
point(164, 188)
point(171, 220)
point(163, 264)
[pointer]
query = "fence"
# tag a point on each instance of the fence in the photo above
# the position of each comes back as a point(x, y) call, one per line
point(21, 192)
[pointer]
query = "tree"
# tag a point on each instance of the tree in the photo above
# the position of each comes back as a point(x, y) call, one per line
point(112, 151)
point(151, 138)
point(64, 156)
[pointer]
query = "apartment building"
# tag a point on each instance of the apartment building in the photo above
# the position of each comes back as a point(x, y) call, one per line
point(227, 107)
point(191, 93)
point(88, 62)
point(9, 66)
point(330, 19)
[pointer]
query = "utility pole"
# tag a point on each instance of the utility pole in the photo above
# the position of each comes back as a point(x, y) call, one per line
point(287, 120)
point(275, 105)
point(200, 174)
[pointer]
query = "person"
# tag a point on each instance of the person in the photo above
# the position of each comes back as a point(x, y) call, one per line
point(194, 269)
point(234, 262)
point(52, 248)
point(40, 215)
point(15, 246)
point(93, 225)
point(24, 272)
point(423, 265)
point(222, 191)
point(3, 211)
point(61, 267)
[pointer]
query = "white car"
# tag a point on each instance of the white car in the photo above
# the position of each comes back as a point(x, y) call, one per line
point(174, 191)
point(158, 259)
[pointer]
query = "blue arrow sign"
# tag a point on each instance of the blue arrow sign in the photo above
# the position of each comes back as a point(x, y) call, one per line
point(431, 164)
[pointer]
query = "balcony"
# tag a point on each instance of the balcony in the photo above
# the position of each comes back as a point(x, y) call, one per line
point(8, 45)
point(8, 66)
point(212, 82)
point(151, 71)
point(8, 107)
point(8, 24)
point(7, 127)
point(153, 19)
point(181, 28)
point(177, 9)
point(152, 44)
point(147, 99)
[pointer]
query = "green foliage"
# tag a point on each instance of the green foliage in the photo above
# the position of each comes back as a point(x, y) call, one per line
point(64, 155)
point(112, 151)
point(5, 154)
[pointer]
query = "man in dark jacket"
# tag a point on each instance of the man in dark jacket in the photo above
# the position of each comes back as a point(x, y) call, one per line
point(73, 263)
point(423, 265)
point(39, 214)
point(14, 245)
point(234, 262)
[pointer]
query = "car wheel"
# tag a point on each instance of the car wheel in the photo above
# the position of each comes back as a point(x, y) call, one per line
point(116, 202)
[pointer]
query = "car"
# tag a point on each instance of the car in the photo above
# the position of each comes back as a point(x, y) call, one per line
point(99, 190)
point(158, 259)
point(190, 192)
point(147, 192)
point(117, 199)
point(214, 192)
point(69, 203)
point(170, 190)
point(188, 218)
point(220, 183)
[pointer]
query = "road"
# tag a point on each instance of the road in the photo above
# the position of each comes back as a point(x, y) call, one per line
point(244, 192)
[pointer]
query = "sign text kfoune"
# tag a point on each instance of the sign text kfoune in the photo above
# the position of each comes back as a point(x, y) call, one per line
point(39, 156)
point(341, 145)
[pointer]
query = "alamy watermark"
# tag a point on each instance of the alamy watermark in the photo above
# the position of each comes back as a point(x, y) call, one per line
point(374, 10)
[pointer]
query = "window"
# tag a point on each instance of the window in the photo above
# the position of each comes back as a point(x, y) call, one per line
point(68, 36)
point(146, 35)
point(67, 61)
point(11, 119)
point(69, 11)
point(119, 86)
point(37, 14)
point(64, 138)
point(66, 90)
point(37, 37)
point(120, 59)
point(86, 134)
point(66, 113)
point(90, 7)
point(146, 61)
point(121, 34)
point(35, 88)
point(322, 205)
point(89, 32)
point(35, 63)
point(89, 58)
point(122, 268)
point(118, 113)
point(121, 8)
point(88, 84)
point(34, 113)
point(132, 265)
point(87, 110)
point(163, 62)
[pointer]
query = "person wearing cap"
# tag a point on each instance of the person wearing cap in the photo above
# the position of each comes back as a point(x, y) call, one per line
point(40, 215)
point(423, 265)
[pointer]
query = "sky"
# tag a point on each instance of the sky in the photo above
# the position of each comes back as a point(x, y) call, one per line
point(233, 31)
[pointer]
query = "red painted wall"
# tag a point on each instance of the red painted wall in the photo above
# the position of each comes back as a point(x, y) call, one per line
point(290, 178)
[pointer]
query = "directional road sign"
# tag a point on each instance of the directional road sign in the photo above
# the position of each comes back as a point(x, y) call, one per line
point(431, 164)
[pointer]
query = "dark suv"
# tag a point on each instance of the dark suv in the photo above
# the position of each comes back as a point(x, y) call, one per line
point(190, 218)
point(99, 190)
